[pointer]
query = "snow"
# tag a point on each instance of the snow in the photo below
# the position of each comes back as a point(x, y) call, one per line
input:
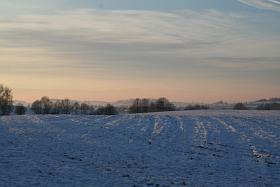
point(193, 148)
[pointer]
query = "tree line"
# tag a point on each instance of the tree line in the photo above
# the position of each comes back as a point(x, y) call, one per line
point(65, 106)
point(6, 100)
point(47, 106)
point(196, 107)
point(146, 105)
point(265, 106)
point(269, 106)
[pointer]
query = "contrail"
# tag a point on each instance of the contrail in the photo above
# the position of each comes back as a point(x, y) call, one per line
point(274, 1)
point(263, 4)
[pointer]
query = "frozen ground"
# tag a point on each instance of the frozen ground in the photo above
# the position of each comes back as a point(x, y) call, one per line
point(211, 148)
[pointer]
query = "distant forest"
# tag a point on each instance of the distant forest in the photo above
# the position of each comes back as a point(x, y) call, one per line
point(65, 106)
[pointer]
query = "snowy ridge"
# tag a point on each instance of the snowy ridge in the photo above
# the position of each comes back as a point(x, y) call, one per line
point(194, 148)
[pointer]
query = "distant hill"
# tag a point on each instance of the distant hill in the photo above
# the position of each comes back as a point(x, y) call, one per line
point(129, 102)
point(276, 100)
point(19, 102)
point(126, 103)
point(95, 103)
point(221, 105)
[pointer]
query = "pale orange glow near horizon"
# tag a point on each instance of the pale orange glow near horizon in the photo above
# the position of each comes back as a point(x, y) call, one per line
point(108, 55)
point(29, 96)
point(123, 91)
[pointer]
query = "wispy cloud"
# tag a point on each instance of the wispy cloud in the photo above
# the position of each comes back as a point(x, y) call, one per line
point(134, 46)
point(95, 35)
point(263, 4)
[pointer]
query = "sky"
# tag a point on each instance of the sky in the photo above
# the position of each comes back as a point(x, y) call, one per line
point(186, 50)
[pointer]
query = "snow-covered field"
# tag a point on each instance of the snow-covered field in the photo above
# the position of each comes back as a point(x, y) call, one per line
point(211, 148)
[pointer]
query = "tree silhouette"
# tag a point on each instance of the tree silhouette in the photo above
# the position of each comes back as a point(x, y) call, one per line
point(36, 107)
point(239, 106)
point(66, 106)
point(107, 110)
point(85, 108)
point(76, 108)
point(145, 105)
point(20, 110)
point(6, 100)
point(46, 104)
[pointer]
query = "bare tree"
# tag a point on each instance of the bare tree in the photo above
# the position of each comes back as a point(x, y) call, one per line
point(76, 108)
point(36, 107)
point(85, 108)
point(240, 106)
point(145, 105)
point(46, 105)
point(6, 100)
point(107, 110)
point(135, 107)
point(20, 110)
point(66, 106)
point(162, 104)
point(56, 107)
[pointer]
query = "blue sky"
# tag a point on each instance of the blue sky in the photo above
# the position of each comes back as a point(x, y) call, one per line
point(229, 5)
point(118, 49)
point(131, 4)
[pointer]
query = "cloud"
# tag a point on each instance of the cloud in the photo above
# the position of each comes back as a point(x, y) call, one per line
point(112, 35)
point(137, 47)
point(123, 26)
point(263, 4)
point(93, 37)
